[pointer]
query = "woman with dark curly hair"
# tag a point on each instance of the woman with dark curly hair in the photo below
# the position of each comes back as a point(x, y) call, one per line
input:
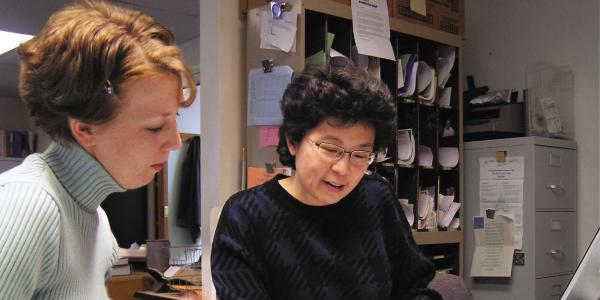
point(105, 83)
point(328, 231)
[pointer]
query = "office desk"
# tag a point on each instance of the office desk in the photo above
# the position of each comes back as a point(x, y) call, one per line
point(149, 295)
point(123, 287)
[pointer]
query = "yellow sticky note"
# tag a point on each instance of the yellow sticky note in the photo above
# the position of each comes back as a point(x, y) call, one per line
point(419, 6)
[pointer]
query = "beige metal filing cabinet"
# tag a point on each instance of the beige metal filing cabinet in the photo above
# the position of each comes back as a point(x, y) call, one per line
point(549, 217)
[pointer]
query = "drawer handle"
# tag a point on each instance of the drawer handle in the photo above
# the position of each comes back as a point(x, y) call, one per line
point(554, 252)
point(555, 187)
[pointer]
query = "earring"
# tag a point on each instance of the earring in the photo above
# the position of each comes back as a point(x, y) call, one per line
point(108, 88)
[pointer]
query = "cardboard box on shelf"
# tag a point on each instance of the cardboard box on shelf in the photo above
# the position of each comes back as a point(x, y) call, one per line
point(444, 15)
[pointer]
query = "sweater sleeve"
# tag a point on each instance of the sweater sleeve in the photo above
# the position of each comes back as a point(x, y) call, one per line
point(236, 269)
point(29, 222)
point(411, 270)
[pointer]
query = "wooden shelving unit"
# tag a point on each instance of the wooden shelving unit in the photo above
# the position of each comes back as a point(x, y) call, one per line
point(317, 18)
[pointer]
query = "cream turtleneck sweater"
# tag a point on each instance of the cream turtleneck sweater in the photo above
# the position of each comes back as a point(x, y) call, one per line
point(55, 239)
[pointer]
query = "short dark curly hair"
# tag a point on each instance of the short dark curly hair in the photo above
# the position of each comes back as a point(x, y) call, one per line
point(340, 91)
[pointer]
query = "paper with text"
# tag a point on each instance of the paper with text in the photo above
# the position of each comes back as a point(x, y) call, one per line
point(264, 95)
point(279, 34)
point(501, 189)
point(371, 28)
point(494, 247)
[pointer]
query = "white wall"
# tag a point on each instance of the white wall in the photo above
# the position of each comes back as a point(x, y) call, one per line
point(222, 68)
point(503, 36)
point(191, 53)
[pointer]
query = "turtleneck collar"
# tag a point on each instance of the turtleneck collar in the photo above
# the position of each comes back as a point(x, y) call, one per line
point(82, 176)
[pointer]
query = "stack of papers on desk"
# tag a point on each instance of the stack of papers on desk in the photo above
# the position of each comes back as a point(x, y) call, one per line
point(407, 75)
point(134, 251)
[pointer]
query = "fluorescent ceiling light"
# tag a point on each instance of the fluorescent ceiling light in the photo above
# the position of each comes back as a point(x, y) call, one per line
point(11, 40)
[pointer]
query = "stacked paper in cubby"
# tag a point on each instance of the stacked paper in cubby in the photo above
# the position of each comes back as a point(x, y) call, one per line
point(425, 156)
point(447, 209)
point(448, 156)
point(425, 210)
point(444, 65)
point(407, 75)
point(443, 98)
point(381, 155)
point(405, 146)
point(426, 83)
point(407, 208)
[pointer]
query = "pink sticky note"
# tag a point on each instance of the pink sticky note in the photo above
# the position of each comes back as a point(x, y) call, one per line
point(269, 136)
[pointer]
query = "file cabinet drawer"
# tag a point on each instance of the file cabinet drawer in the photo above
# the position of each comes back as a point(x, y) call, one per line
point(555, 249)
point(555, 176)
point(551, 287)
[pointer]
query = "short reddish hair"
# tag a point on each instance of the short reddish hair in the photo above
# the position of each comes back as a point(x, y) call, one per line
point(82, 49)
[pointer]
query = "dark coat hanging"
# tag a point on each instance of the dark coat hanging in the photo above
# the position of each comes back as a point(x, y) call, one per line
point(188, 212)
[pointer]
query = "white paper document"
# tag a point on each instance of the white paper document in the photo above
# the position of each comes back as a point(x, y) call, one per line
point(409, 66)
point(405, 146)
point(264, 95)
point(444, 97)
point(424, 76)
point(444, 64)
point(371, 28)
point(494, 246)
point(425, 156)
point(501, 189)
point(407, 208)
point(448, 156)
point(279, 34)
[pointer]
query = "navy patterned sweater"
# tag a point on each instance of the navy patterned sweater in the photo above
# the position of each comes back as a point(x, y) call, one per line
point(268, 245)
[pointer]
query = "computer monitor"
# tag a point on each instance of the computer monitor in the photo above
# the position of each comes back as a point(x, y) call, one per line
point(585, 283)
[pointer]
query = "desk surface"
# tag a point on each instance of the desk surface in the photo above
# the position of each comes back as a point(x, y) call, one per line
point(149, 295)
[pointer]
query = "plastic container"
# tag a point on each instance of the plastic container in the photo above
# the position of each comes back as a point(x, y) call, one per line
point(549, 101)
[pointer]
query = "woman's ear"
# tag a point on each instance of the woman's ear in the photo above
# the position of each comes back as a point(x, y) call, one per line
point(83, 133)
point(291, 146)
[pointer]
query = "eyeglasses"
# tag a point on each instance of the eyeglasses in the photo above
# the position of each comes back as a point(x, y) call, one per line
point(334, 152)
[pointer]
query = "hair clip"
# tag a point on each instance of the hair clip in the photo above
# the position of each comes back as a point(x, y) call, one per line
point(108, 87)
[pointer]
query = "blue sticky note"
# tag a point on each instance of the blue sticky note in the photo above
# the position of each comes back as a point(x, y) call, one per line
point(478, 222)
